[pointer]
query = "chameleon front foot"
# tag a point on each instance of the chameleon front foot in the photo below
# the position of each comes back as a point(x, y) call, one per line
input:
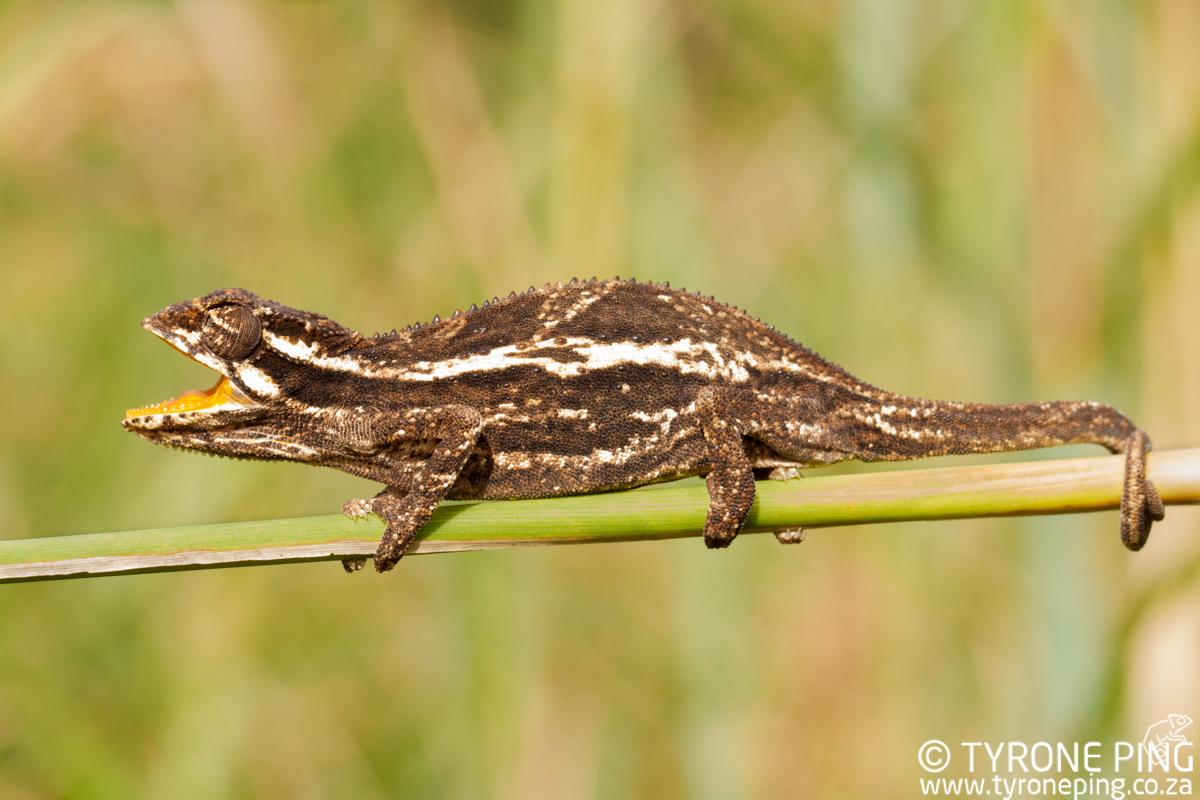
point(1141, 505)
point(392, 546)
point(401, 527)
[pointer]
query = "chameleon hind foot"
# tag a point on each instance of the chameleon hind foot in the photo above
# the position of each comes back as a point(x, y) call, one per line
point(731, 494)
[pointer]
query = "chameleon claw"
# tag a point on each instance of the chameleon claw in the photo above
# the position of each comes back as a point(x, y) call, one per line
point(791, 536)
point(353, 565)
point(358, 509)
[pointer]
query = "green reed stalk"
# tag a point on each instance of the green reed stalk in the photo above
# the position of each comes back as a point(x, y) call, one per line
point(1044, 487)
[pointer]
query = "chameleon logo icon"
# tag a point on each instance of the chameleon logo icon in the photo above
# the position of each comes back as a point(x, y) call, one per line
point(1162, 735)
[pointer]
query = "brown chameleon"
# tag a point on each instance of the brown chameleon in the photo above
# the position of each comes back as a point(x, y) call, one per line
point(588, 387)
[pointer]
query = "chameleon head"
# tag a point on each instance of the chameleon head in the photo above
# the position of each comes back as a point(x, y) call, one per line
point(252, 343)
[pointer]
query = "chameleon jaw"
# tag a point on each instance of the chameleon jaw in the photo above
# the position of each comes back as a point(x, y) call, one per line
point(224, 395)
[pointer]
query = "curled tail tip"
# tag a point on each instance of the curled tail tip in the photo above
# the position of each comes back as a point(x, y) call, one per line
point(1137, 520)
point(1141, 504)
point(1155, 508)
point(1134, 541)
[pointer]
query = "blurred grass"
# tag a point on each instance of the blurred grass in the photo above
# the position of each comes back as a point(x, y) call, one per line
point(991, 201)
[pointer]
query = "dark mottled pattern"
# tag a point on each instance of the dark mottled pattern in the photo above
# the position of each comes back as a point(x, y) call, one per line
point(580, 388)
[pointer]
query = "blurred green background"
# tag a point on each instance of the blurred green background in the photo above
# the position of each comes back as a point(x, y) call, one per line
point(990, 201)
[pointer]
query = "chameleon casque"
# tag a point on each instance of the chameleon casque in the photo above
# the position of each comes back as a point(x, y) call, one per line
point(571, 389)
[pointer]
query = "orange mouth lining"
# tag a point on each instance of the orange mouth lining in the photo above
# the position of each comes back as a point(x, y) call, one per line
point(191, 400)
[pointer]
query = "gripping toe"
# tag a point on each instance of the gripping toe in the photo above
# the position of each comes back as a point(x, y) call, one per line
point(391, 547)
point(358, 509)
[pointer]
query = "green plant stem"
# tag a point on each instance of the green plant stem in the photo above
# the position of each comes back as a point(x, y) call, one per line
point(1044, 487)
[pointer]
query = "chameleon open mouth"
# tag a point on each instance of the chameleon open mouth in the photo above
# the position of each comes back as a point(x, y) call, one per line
point(193, 400)
point(226, 395)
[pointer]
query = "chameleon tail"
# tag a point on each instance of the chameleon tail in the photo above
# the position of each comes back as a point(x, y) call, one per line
point(897, 428)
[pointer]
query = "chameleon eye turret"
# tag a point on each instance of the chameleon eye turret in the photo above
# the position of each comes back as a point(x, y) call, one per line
point(231, 332)
point(588, 387)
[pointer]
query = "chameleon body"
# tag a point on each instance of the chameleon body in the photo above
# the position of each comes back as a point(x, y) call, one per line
point(572, 389)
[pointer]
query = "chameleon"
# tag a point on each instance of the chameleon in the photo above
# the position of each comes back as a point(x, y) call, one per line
point(589, 386)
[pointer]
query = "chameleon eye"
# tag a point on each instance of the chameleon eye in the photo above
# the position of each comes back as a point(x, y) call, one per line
point(231, 332)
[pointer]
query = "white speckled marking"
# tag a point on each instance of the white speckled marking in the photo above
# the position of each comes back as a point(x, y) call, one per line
point(663, 418)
